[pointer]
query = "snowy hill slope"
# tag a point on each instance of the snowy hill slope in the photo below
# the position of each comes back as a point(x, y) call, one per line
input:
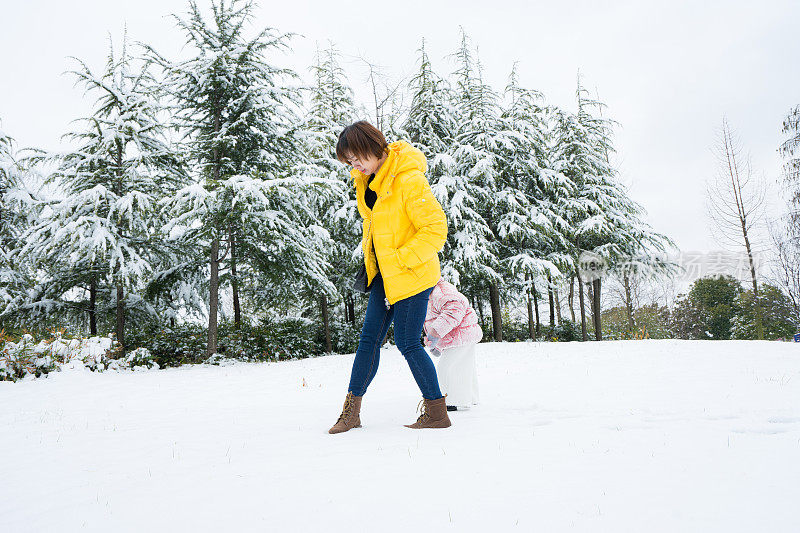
point(613, 436)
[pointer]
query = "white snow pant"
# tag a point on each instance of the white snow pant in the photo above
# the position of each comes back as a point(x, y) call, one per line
point(458, 376)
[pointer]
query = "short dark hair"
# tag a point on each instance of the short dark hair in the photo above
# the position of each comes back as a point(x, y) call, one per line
point(360, 139)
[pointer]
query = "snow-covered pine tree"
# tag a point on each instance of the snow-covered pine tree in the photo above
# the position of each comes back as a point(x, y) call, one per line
point(471, 189)
point(7, 164)
point(579, 157)
point(331, 109)
point(431, 126)
point(17, 213)
point(529, 229)
point(9, 216)
point(431, 122)
point(239, 114)
point(561, 192)
point(101, 234)
point(601, 217)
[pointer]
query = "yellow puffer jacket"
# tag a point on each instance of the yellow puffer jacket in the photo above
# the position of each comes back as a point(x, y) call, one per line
point(407, 224)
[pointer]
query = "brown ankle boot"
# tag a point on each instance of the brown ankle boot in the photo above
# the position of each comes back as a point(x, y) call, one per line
point(351, 415)
point(434, 415)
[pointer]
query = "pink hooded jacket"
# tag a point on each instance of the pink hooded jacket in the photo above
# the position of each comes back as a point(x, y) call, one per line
point(450, 318)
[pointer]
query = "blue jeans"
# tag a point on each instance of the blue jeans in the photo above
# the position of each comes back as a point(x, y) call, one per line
point(409, 316)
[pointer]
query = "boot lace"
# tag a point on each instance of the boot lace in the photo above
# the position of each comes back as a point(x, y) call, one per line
point(349, 403)
point(423, 407)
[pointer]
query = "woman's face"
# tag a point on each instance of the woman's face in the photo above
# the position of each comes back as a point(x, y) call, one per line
point(368, 164)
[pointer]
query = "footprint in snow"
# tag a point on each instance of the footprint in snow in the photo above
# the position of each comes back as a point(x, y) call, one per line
point(783, 420)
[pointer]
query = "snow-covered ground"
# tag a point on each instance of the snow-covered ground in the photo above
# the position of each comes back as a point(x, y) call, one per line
point(614, 436)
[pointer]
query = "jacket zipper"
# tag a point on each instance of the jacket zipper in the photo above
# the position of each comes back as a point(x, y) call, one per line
point(372, 211)
point(385, 300)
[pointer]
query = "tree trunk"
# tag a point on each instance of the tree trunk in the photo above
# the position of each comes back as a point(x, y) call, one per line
point(531, 324)
point(494, 298)
point(596, 298)
point(590, 289)
point(213, 299)
point(120, 330)
point(628, 303)
point(756, 302)
point(172, 318)
point(93, 306)
point(584, 333)
point(351, 306)
point(557, 303)
point(323, 302)
point(536, 309)
point(571, 298)
point(550, 300)
point(237, 312)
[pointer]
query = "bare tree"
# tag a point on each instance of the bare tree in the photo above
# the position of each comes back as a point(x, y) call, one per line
point(625, 291)
point(735, 204)
point(387, 96)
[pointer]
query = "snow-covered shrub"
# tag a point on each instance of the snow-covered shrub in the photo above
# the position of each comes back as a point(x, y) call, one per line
point(138, 359)
point(651, 321)
point(344, 335)
point(564, 331)
point(22, 358)
point(172, 346)
point(93, 352)
point(776, 314)
point(706, 310)
point(29, 357)
point(275, 340)
point(514, 328)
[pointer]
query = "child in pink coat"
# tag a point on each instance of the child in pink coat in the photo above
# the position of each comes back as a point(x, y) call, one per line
point(451, 332)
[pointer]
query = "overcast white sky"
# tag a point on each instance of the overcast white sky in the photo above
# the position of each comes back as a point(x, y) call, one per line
point(668, 71)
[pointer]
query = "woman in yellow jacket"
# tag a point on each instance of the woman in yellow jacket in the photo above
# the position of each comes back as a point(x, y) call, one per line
point(404, 228)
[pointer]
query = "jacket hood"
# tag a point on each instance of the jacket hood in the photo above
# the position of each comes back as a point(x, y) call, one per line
point(408, 157)
point(402, 158)
point(445, 289)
